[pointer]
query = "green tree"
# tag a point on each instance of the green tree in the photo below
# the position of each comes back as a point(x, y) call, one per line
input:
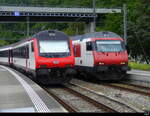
point(3, 42)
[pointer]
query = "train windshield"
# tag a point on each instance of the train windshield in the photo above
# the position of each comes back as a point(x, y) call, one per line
point(109, 46)
point(51, 46)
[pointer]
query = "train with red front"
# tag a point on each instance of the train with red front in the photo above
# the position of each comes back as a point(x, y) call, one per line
point(47, 56)
point(102, 55)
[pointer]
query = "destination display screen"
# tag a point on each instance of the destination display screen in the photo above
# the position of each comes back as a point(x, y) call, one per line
point(109, 46)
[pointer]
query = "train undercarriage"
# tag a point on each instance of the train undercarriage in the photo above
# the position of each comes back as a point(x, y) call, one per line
point(54, 75)
point(105, 73)
point(48, 76)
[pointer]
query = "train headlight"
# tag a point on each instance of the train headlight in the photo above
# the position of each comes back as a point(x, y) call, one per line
point(123, 63)
point(101, 63)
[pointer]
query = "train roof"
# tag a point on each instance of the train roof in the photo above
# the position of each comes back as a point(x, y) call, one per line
point(7, 47)
point(51, 34)
point(102, 34)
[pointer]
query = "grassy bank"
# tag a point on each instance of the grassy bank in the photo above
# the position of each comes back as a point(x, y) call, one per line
point(139, 66)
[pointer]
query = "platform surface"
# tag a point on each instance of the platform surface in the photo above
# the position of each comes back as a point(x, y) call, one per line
point(139, 72)
point(20, 94)
point(139, 75)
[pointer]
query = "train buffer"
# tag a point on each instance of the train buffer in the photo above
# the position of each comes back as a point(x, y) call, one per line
point(20, 94)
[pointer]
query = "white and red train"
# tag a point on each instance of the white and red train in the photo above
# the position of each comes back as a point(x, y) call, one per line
point(48, 56)
point(101, 54)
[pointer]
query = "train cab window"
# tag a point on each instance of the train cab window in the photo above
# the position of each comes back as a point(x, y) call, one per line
point(88, 46)
point(32, 47)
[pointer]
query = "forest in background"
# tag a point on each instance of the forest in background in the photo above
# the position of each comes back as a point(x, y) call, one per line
point(138, 23)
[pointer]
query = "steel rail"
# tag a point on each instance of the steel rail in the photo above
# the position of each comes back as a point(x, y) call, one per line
point(127, 89)
point(67, 106)
point(138, 86)
point(92, 101)
point(106, 97)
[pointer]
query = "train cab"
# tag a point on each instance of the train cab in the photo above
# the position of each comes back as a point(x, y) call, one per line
point(47, 56)
point(101, 53)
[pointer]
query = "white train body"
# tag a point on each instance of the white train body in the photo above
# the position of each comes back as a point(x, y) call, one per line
point(83, 58)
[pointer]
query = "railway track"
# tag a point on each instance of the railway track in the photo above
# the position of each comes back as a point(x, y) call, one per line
point(135, 100)
point(66, 105)
point(93, 94)
point(138, 86)
point(74, 101)
point(130, 87)
point(76, 98)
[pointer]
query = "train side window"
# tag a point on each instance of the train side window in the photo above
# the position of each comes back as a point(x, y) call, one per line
point(4, 53)
point(21, 52)
point(32, 47)
point(88, 46)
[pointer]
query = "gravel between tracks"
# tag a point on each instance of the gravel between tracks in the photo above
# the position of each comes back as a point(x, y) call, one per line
point(138, 82)
point(139, 101)
point(75, 101)
point(102, 99)
point(126, 85)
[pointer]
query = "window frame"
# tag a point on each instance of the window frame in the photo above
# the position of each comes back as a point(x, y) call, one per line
point(90, 45)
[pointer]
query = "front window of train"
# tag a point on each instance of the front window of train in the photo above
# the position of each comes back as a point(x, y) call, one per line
point(109, 46)
point(52, 48)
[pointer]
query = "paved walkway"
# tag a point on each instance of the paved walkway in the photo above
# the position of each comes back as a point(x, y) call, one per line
point(20, 94)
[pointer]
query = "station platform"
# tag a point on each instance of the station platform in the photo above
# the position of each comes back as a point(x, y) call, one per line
point(139, 75)
point(139, 72)
point(20, 94)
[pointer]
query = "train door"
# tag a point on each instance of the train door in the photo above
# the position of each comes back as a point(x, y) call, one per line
point(31, 63)
point(27, 57)
point(87, 54)
point(9, 57)
point(77, 53)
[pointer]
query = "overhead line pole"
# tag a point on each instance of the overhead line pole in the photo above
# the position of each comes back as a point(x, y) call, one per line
point(28, 26)
point(94, 14)
point(125, 22)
